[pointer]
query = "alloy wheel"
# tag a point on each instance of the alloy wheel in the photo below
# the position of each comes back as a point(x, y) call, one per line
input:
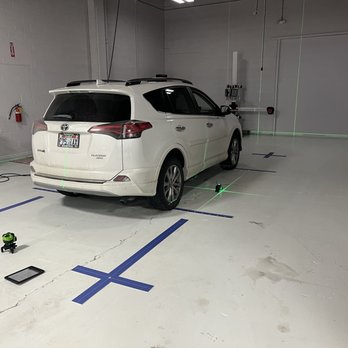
point(234, 151)
point(172, 183)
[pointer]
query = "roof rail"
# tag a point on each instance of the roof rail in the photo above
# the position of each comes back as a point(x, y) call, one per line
point(78, 83)
point(158, 78)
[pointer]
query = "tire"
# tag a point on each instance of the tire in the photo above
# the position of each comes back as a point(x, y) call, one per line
point(170, 185)
point(233, 153)
point(69, 194)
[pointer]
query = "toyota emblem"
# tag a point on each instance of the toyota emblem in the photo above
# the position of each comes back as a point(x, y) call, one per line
point(64, 127)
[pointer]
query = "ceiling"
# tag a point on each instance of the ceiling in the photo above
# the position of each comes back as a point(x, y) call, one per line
point(170, 5)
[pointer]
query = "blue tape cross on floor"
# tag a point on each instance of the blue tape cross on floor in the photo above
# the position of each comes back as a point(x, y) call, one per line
point(114, 276)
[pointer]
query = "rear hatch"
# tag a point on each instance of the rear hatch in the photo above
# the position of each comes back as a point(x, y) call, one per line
point(71, 147)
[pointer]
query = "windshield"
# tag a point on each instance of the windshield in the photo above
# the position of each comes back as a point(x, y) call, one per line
point(89, 107)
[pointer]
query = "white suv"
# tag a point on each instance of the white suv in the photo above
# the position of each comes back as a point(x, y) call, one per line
point(142, 137)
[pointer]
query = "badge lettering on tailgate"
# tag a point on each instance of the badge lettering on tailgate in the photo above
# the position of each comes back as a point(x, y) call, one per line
point(98, 156)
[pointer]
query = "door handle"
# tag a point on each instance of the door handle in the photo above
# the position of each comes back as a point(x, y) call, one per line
point(209, 125)
point(180, 128)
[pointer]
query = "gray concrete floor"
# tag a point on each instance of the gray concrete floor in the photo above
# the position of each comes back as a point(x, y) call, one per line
point(274, 275)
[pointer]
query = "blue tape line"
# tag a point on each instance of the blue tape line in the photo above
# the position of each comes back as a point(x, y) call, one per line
point(91, 272)
point(43, 189)
point(205, 213)
point(20, 203)
point(267, 155)
point(91, 291)
point(114, 275)
point(132, 284)
point(147, 248)
point(258, 170)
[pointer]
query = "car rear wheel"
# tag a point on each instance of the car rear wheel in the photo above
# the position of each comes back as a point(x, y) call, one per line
point(69, 194)
point(170, 185)
point(233, 153)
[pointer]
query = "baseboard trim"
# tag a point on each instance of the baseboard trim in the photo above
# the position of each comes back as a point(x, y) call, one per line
point(301, 134)
point(14, 157)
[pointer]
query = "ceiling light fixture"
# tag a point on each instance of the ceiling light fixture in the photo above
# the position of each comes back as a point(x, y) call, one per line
point(182, 1)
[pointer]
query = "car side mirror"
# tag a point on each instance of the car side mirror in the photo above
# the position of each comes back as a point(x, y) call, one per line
point(225, 110)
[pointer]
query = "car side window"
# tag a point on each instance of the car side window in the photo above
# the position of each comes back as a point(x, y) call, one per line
point(158, 100)
point(180, 100)
point(205, 106)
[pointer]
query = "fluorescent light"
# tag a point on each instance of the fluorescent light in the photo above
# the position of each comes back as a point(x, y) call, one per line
point(182, 1)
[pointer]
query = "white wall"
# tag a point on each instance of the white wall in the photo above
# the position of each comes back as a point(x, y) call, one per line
point(139, 47)
point(51, 45)
point(199, 42)
point(60, 41)
point(56, 41)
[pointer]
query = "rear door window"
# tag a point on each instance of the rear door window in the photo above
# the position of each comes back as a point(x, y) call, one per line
point(158, 100)
point(180, 100)
point(89, 107)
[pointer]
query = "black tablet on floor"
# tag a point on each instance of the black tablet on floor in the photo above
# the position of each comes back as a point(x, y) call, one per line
point(24, 274)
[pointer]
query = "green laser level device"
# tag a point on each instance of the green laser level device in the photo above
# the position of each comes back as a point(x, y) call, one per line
point(9, 240)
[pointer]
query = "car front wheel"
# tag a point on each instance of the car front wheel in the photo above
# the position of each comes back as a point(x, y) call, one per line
point(170, 185)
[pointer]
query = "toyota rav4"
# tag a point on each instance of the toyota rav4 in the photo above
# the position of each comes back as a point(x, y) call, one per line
point(142, 137)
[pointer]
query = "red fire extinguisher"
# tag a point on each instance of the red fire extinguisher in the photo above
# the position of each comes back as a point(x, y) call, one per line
point(18, 112)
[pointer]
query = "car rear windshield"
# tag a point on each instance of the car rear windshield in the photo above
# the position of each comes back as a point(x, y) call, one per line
point(89, 107)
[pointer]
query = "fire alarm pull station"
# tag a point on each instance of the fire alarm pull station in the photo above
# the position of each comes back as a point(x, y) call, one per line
point(12, 50)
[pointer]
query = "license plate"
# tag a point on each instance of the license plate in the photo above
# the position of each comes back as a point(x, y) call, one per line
point(68, 140)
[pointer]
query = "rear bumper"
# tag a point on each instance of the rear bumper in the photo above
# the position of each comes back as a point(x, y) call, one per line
point(142, 183)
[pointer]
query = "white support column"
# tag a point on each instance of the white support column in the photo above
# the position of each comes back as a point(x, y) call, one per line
point(235, 68)
point(97, 36)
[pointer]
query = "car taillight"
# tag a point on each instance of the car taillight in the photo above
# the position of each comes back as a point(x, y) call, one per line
point(126, 130)
point(39, 126)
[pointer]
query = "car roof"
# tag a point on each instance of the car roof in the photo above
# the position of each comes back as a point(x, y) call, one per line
point(134, 86)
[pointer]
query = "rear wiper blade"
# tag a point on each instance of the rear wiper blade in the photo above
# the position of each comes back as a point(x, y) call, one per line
point(63, 116)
